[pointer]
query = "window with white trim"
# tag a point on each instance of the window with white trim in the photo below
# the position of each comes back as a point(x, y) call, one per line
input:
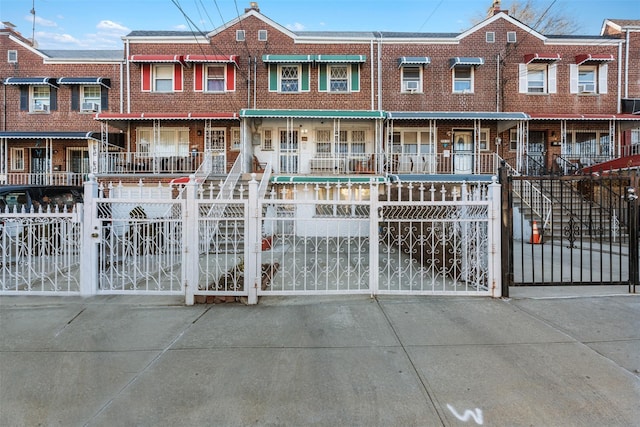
point(323, 142)
point(338, 78)
point(463, 79)
point(163, 77)
point(90, 98)
point(490, 37)
point(289, 78)
point(172, 141)
point(411, 79)
point(267, 140)
point(484, 139)
point(240, 35)
point(588, 79)
point(12, 56)
point(588, 146)
point(513, 139)
point(235, 139)
point(17, 159)
point(40, 99)
point(214, 76)
point(511, 37)
point(537, 78)
point(262, 35)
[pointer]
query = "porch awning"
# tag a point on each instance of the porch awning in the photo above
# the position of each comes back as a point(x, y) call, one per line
point(306, 179)
point(541, 57)
point(623, 117)
point(581, 59)
point(288, 58)
point(166, 116)
point(454, 115)
point(212, 58)
point(465, 61)
point(156, 58)
point(51, 81)
point(351, 59)
point(313, 114)
point(85, 81)
point(413, 60)
point(50, 135)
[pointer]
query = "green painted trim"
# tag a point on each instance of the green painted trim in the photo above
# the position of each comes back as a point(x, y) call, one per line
point(273, 78)
point(306, 72)
point(322, 73)
point(355, 77)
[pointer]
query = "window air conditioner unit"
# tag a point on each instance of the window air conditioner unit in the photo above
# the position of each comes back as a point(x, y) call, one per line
point(90, 106)
point(587, 88)
point(41, 108)
point(411, 86)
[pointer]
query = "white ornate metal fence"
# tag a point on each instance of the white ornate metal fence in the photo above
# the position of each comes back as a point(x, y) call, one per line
point(315, 238)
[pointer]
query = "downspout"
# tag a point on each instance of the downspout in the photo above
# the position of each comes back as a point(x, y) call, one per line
point(373, 98)
point(249, 84)
point(379, 71)
point(121, 103)
point(626, 67)
point(619, 106)
point(255, 80)
point(126, 44)
point(498, 83)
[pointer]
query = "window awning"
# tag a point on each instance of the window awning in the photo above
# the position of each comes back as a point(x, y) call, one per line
point(303, 179)
point(211, 58)
point(581, 59)
point(465, 61)
point(313, 114)
point(50, 135)
point(541, 57)
point(85, 81)
point(351, 59)
point(166, 116)
point(413, 60)
point(288, 58)
point(51, 81)
point(156, 58)
point(454, 115)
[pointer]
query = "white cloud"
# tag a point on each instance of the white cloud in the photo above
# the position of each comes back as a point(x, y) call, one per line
point(112, 27)
point(41, 21)
point(48, 40)
point(295, 27)
point(180, 27)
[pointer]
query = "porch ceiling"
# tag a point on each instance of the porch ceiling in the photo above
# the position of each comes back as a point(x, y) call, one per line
point(313, 114)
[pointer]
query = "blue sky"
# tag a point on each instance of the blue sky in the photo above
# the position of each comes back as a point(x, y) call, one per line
point(99, 24)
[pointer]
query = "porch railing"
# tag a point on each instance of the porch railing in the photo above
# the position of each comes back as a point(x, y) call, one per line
point(44, 178)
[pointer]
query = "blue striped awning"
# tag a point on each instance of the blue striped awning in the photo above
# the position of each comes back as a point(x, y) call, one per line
point(85, 81)
point(51, 81)
point(466, 61)
point(413, 60)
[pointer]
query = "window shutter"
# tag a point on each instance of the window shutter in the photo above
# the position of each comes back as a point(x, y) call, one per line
point(355, 78)
point(573, 78)
point(305, 77)
point(231, 77)
point(104, 98)
point(522, 73)
point(145, 71)
point(273, 78)
point(602, 78)
point(75, 98)
point(553, 82)
point(177, 77)
point(53, 99)
point(198, 78)
point(24, 98)
point(322, 76)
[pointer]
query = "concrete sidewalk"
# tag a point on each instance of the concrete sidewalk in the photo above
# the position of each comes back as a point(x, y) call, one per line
point(545, 357)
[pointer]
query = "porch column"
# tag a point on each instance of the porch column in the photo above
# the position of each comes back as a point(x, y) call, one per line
point(4, 161)
point(495, 238)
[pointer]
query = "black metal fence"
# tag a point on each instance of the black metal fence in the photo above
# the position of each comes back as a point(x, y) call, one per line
point(570, 230)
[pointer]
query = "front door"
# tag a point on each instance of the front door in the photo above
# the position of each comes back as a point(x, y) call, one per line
point(39, 166)
point(288, 151)
point(463, 152)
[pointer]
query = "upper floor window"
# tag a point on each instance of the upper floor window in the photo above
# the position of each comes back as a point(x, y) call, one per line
point(215, 78)
point(588, 79)
point(262, 35)
point(463, 79)
point(289, 78)
point(40, 99)
point(411, 79)
point(90, 98)
point(537, 78)
point(339, 78)
point(490, 37)
point(163, 78)
point(12, 56)
point(240, 35)
point(511, 37)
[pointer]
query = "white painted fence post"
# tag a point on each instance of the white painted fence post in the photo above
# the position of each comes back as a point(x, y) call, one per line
point(253, 247)
point(495, 239)
point(91, 236)
point(374, 238)
point(191, 242)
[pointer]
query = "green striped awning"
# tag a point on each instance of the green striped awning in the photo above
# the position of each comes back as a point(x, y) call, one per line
point(313, 114)
point(350, 59)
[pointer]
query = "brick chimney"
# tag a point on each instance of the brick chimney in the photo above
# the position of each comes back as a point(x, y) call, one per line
point(496, 8)
point(252, 6)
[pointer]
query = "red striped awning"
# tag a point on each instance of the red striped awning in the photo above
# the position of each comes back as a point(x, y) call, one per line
point(166, 116)
point(588, 57)
point(541, 57)
point(211, 58)
point(156, 58)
